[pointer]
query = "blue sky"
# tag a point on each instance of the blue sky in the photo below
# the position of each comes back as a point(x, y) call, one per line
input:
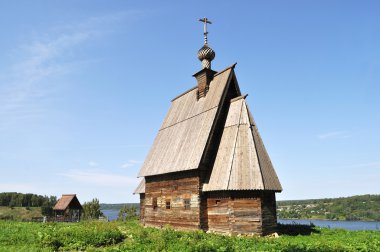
point(85, 85)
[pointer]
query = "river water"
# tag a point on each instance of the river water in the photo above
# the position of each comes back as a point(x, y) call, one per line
point(348, 225)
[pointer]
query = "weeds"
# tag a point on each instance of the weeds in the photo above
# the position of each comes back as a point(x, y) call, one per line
point(130, 236)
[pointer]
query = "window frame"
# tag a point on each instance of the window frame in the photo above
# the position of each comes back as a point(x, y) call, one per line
point(186, 204)
point(168, 204)
point(154, 203)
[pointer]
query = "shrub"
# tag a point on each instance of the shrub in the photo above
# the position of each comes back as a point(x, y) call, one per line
point(91, 210)
point(79, 236)
point(127, 213)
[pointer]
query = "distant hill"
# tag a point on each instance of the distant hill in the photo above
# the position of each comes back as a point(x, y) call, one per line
point(105, 206)
point(361, 207)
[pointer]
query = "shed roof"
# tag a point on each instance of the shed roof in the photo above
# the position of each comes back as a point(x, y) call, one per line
point(182, 138)
point(141, 187)
point(242, 162)
point(65, 201)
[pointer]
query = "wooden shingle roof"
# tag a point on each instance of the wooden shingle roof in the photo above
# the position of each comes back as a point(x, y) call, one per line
point(66, 200)
point(242, 162)
point(182, 138)
point(141, 187)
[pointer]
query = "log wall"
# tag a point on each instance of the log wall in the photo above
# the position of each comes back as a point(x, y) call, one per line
point(177, 200)
point(242, 212)
point(142, 207)
point(219, 214)
point(269, 214)
point(246, 216)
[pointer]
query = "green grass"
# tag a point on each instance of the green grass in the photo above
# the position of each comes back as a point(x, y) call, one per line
point(30, 236)
point(19, 213)
point(130, 236)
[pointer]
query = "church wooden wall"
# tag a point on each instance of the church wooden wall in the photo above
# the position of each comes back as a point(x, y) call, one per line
point(242, 212)
point(268, 206)
point(219, 214)
point(246, 217)
point(226, 212)
point(175, 189)
point(142, 207)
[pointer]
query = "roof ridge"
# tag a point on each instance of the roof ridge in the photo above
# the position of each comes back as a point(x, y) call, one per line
point(191, 89)
point(238, 98)
point(178, 96)
point(234, 149)
point(252, 124)
point(188, 118)
point(231, 66)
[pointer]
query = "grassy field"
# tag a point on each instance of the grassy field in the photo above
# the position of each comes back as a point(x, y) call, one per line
point(19, 213)
point(130, 236)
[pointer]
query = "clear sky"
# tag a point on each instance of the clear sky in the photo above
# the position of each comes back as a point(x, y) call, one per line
point(85, 86)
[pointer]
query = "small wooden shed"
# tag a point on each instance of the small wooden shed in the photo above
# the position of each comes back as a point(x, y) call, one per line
point(68, 208)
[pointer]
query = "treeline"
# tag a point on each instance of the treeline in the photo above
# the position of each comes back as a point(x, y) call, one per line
point(361, 207)
point(104, 206)
point(14, 199)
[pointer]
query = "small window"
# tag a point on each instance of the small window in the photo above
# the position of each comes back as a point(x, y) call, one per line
point(168, 204)
point(217, 202)
point(186, 203)
point(154, 203)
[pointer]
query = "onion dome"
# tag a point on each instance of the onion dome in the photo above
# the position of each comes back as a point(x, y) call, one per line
point(206, 55)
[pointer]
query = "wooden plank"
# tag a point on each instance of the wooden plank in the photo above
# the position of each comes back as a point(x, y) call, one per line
point(236, 166)
point(221, 171)
point(168, 116)
point(270, 179)
point(188, 106)
point(201, 137)
point(234, 113)
point(171, 153)
point(216, 90)
point(140, 188)
point(169, 119)
point(245, 173)
point(179, 145)
point(175, 190)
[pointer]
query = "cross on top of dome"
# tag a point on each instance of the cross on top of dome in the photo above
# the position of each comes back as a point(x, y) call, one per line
point(205, 22)
point(206, 54)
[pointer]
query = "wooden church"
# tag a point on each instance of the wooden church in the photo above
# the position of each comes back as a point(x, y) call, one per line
point(208, 168)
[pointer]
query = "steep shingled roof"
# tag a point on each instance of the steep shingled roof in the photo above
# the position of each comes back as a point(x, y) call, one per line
point(242, 162)
point(181, 141)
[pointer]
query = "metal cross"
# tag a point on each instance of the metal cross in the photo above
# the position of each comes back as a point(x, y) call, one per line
point(205, 21)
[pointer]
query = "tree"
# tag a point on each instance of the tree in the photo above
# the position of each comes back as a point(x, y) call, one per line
point(19, 198)
point(27, 200)
point(34, 200)
point(53, 200)
point(47, 209)
point(91, 210)
point(127, 213)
